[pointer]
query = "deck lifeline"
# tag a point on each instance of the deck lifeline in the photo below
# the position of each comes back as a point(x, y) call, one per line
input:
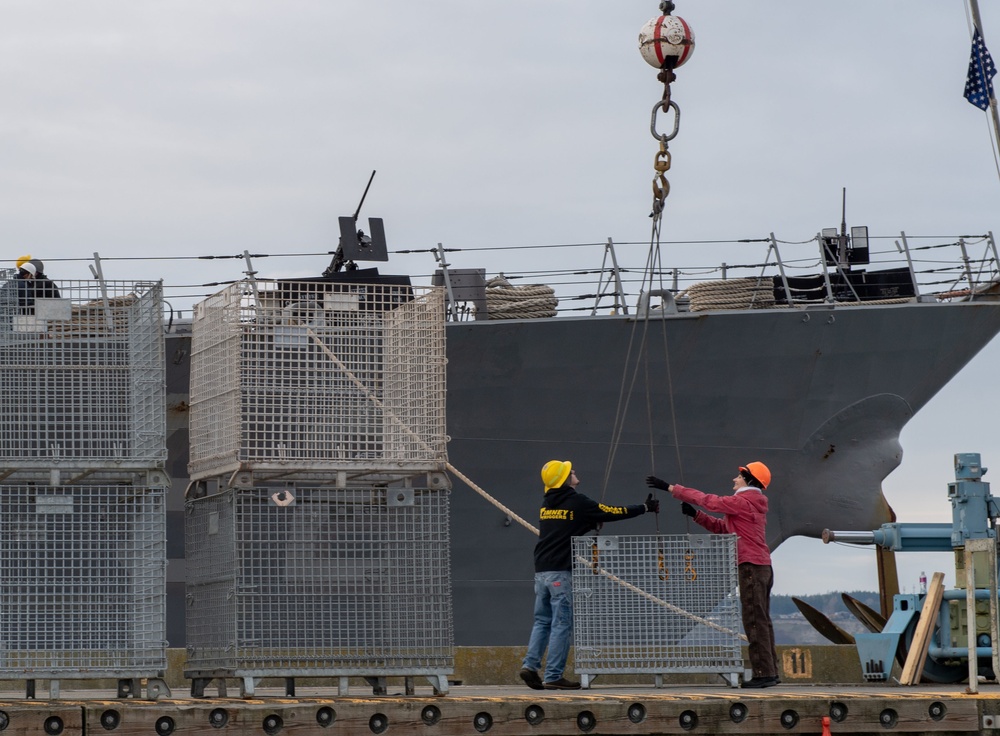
point(516, 711)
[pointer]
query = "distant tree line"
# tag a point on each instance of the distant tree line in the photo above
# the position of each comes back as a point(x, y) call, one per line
point(828, 603)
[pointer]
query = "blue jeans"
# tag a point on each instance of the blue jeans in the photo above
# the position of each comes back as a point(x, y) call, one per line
point(553, 627)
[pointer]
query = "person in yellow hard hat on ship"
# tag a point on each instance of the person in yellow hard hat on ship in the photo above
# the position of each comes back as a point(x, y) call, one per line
point(744, 514)
point(32, 284)
point(19, 289)
point(564, 514)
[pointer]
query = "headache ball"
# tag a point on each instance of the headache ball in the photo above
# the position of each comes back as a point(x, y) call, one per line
point(666, 42)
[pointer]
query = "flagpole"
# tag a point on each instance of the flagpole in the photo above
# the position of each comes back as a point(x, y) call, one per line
point(977, 22)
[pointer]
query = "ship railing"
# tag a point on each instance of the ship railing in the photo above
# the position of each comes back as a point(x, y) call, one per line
point(933, 272)
point(895, 269)
point(605, 277)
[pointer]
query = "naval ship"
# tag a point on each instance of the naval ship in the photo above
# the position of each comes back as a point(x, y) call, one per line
point(815, 375)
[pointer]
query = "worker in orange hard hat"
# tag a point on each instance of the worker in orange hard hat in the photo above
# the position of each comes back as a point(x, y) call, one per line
point(744, 514)
point(564, 514)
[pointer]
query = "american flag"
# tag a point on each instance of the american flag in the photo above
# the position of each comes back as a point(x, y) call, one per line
point(979, 83)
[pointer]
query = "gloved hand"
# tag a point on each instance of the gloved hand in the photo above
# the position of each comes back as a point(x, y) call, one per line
point(652, 504)
point(653, 482)
point(688, 510)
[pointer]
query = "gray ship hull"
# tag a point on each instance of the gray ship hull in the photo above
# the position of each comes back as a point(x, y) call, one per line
point(819, 394)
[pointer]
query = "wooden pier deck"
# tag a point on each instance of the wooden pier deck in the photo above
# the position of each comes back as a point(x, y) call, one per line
point(517, 711)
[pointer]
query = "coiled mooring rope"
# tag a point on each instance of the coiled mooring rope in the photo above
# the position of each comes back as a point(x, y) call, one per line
point(532, 301)
point(748, 293)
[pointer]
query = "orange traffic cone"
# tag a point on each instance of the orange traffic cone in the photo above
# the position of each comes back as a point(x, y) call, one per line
point(826, 725)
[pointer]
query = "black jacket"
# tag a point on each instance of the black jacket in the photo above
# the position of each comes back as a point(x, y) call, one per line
point(44, 288)
point(567, 514)
point(39, 287)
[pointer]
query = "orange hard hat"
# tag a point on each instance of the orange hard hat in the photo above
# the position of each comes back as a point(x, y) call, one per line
point(759, 471)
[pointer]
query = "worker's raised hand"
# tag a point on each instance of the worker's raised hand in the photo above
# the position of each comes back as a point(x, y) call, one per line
point(652, 504)
point(653, 482)
point(688, 510)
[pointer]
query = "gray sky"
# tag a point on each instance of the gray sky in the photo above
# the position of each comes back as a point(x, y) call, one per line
point(179, 129)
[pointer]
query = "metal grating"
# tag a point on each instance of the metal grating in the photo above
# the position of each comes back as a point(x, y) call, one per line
point(340, 582)
point(656, 604)
point(82, 377)
point(82, 582)
point(304, 378)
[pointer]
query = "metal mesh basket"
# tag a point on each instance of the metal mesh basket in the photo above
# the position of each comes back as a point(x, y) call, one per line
point(82, 377)
point(656, 604)
point(301, 379)
point(82, 582)
point(319, 582)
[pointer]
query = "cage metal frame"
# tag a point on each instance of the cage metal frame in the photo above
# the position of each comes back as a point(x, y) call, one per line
point(82, 380)
point(656, 604)
point(307, 380)
point(83, 585)
point(287, 581)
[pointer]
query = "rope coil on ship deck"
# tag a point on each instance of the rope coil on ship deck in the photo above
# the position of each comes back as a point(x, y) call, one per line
point(533, 301)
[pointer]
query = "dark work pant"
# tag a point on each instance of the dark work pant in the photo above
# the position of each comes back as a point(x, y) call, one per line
point(755, 601)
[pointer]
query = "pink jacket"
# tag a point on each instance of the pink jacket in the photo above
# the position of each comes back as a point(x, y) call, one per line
point(744, 514)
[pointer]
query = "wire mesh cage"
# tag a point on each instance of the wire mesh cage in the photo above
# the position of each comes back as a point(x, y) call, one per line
point(82, 582)
point(82, 375)
point(305, 377)
point(285, 582)
point(656, 604)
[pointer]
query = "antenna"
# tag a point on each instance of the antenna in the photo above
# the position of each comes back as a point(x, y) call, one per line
point(842, 245)
point(843, 212)
point(842, 249)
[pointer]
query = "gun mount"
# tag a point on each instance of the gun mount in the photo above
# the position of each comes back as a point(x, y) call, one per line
point(354, 244)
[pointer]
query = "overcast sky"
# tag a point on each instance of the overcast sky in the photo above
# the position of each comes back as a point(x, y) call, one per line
point(180, 129)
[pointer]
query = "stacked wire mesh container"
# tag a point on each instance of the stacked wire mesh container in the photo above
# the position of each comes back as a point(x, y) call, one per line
point(316, 523)
point(82, 485)
point(657, 605)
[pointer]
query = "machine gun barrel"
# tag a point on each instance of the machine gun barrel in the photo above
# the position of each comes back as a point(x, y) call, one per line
point(367, 187)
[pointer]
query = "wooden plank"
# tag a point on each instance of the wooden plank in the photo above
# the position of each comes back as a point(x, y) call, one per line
point(917, 656)
point(935, 592)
